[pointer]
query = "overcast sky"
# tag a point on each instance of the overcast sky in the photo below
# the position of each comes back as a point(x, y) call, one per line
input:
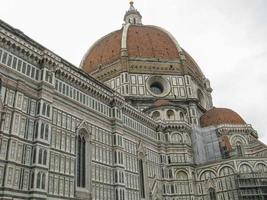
point(228, 39)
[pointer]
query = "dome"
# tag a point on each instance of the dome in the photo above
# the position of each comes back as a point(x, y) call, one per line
point(138, 42)
point(217, 116)
point(141, 42)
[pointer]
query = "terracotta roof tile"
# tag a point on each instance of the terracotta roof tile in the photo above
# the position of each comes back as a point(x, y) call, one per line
point(217, 116)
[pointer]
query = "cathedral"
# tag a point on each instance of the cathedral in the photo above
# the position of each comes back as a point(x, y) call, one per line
point(135, 121)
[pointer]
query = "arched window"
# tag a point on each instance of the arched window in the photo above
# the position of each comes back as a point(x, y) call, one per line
point(32, 180)
point(116, 177)
point(239, 149)
point(207, 175)
point(44, 157)
point(38, 108)
point(170, 115)
point(169, 159)
point(46, 131)
point(38, 180)
point(34, 155)
point(121, 193)
point(181, 116)
point(43, 181)
point(156, 115)
point(117, 195)
point(40, 155)
point(177, 138)
point(212, 194)
point(42, 131)
point(44, 108)
point(261, 168)
point(81, 162)
point(181, 175)
point(134, 20)
point(36, 130)
point(244, 168)
point(141, 176)
point(48, 111)
point(122, 177)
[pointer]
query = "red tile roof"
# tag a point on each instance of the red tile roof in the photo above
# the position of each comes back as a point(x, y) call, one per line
point(217, 116)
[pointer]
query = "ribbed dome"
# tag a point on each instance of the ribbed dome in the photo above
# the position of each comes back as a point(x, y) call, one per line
point(141, 42)
point(104, 51)
point(217, 116)
point(137, 46)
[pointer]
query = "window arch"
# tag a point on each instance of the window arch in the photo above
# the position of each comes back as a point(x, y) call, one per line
point(141, 176)
point(37, 129)
point(181, 175)
point(207, 175)
point(261, 167)
point(46, 131)
point(44, 157)
point(156, 115)
point(212, 194)
point(40, 155)
point(44, 108)
point(226, 171)
point(238, 139)
point(32, 180)
point(48, 111)
point(42, 130)
point(176, 137)
point(239, 150)
point(34, 155)
point(38, 185)
point(244, 168)
point(81, 160)
point(43, 180)
point(170, 115)
point(181, 115)
point(116, 194)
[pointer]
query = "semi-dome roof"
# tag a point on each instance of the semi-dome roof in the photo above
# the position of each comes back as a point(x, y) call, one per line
point(217, 116)
point(138, 42)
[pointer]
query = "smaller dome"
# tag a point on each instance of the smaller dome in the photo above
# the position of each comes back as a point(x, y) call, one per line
point(217, 116)
point(161, 102)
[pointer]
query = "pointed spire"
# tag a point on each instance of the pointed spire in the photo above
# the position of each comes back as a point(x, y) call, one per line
point(132, 16)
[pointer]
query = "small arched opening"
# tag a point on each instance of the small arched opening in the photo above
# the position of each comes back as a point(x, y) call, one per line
point(170, 115)
point(156, 115)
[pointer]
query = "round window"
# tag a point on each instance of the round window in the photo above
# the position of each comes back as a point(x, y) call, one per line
point(158, 86)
